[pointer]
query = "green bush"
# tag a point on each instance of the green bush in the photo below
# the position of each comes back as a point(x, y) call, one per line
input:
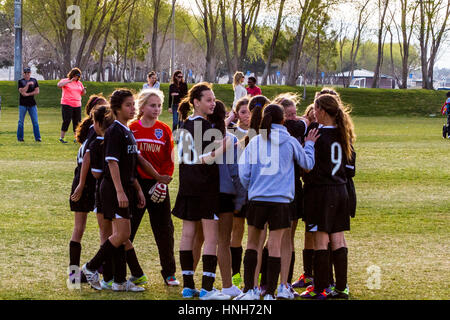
point(364, 102)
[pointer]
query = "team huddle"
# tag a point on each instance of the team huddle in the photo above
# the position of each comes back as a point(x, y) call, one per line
point(260, 163)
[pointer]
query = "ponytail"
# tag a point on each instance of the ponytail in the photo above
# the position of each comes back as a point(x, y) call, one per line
point(256, 106)
point(273, 113)
point(184, 108)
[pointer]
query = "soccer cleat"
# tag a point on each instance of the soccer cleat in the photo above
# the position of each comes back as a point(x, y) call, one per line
point(249, 295)
point(312, 294)
point(237, 280)
point(92, 277)
point(127, 286)
point(232, 291)
point(171, 281)
point(188, 293)
point(214, 294)
point(258, 291)
point(106, 285)
point(139, 280)
point(337, 294)
point(62, 140)
point(283, 292)
point(303, 282)
point(269, 297)
point(294, 293)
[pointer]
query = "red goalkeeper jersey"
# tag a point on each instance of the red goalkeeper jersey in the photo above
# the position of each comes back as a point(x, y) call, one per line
point(156, 146)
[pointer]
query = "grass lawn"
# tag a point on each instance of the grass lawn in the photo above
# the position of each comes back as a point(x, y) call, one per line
point(401, 226)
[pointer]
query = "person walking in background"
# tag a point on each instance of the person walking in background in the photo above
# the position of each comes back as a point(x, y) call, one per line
point(238, 87)
point(28, 88)
point(177, 91)
point(152, 81)
point(72, 91)
point(252, 88)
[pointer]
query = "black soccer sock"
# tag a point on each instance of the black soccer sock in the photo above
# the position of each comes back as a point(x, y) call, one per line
point(250, 262)
point(273, 272)
point(108, 271)
point(209, 271)
point(308, 262)
point(74, 253)
point(105, 252)
point(340, 259)
point(187, 268)
point(263, 271)
point(236, 259)
point(120, 264)
point(321, 274)
point(291, 268)
point(330, 265)
point(133, 263)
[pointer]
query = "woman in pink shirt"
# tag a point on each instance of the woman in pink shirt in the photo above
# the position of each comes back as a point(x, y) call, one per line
point(72, 90)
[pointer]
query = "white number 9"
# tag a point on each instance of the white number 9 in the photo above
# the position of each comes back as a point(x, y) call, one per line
point(336, 157)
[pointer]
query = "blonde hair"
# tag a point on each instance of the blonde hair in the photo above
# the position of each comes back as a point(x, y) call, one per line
point(237, 78)
point(143, 97)
point(287, 99)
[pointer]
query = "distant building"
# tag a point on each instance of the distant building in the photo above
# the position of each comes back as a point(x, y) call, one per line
point(363, 79)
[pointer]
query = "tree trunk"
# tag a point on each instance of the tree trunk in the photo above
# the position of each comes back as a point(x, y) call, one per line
point(274, 43)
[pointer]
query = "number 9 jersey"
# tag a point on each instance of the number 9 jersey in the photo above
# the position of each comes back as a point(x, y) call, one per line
point(330, 166)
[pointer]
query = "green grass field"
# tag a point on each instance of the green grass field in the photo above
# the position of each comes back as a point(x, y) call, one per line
point(401, 226)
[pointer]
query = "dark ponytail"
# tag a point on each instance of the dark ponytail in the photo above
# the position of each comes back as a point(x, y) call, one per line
point(82, 130)
point(104, 116)
point(196, 92)
point(256, 106)
point(217, 118)
point(273, 113)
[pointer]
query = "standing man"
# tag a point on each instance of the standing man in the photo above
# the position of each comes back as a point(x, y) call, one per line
point(28, 88)
point(252, 88)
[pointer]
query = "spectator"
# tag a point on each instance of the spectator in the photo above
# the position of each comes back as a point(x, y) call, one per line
point(177, 91)
point(72, 90)
point(152, 81)
point(238, 87)
point(28, 88)
point(252, 88)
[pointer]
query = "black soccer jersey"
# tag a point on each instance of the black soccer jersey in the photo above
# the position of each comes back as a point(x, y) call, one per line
point(196, 179)
point(97, 153)
point(297, 129)
point(80, 155)
point(330, 165)
point(121, 146)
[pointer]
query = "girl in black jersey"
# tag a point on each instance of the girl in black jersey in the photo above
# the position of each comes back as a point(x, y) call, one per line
point(198, 193)
point(326, 196)
point(120, 192)
point(82, 195)
point(103, 118)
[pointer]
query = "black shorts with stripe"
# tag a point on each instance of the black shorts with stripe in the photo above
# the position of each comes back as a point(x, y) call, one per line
point(87, 201)
point(277, 215)
point(110, 205)
point(196, 208)
point(326, 208)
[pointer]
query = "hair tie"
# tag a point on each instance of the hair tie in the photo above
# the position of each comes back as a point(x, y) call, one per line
point(258, 105)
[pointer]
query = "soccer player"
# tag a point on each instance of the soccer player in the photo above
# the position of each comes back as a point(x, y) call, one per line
point(271, 189)
point(82, 196)
point(199, 187)
point(232, 197)
point(326, 196)
point(445, 110)
point(102, 117)
point(154, 141)
point(121, 187)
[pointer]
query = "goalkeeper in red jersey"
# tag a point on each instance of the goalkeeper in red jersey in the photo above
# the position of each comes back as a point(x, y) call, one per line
point(155, 142)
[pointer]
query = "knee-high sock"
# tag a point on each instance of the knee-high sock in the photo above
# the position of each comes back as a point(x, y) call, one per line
point(250, 262)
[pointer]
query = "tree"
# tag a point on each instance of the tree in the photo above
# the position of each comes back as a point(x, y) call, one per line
point(273, 43)
point(433, 20)
point(382, 9)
